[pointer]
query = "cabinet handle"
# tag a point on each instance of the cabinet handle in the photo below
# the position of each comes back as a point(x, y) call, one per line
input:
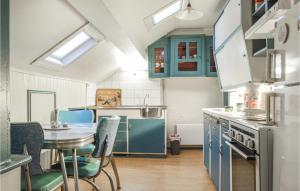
point(269, 120)
point(129, 126)
point(271, 65)
point(221, 150)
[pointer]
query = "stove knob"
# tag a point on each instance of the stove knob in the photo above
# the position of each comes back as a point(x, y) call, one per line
point(238, 137)
point(241, 138)
point(232, 133)
point(247, 142)
point(251, 144)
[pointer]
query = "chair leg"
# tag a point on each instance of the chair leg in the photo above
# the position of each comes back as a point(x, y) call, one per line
point(110, 180)
point(114, 167)
point(95, 187)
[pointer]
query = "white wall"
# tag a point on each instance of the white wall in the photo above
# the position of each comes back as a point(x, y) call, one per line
point(186, 98)
point(69, 93)
point(135, 85)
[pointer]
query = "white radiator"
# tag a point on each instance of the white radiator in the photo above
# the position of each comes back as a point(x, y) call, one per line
point(191, 134)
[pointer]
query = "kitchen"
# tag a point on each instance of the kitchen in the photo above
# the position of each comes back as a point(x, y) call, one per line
point(150, 95)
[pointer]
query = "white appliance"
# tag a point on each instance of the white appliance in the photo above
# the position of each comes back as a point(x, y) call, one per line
point(284, 103)
point(251, 153)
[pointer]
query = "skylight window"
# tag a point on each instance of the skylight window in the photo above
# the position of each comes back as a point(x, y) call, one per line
point(167, 11)
point(72, 49)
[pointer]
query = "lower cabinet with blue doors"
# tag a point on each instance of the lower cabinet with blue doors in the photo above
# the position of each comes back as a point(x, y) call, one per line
point(206, 146)
point(140, 136)
point(147, 136)
point(216, 152)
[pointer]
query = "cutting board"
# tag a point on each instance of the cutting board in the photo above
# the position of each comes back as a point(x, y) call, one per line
point(108, 97)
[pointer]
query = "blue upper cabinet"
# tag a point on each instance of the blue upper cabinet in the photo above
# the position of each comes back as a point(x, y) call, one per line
point(182, 56)
point(187, 56)
point(158, 57)
point(211, 70)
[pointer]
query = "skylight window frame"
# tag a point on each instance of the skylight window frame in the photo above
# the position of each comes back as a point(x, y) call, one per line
point(73, 53)
point(53, 63)
point(167, 15)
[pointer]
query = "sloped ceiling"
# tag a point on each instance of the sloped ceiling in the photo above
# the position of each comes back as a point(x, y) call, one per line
point(38, 25)
point(131, 13)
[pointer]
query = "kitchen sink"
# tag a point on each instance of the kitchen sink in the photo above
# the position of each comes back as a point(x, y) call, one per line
point(151, 112)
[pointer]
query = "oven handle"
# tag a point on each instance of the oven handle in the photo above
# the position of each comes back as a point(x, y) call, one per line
point(244, 155)
point(227, 138)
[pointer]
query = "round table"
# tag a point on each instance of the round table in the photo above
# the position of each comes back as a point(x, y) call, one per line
point(77, 136)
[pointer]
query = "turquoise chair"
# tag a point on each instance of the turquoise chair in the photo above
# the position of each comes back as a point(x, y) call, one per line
point(28, 138)
point(90, 168)
point(75, 117)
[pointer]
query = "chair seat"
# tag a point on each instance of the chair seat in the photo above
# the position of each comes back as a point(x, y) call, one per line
point(82, 151)
point(47, 181)
point(86, 166)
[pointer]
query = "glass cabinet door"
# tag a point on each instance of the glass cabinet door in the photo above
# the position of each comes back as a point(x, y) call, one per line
point(211, 69)
point(187, 56)
point(212, 65)
point(159, 56)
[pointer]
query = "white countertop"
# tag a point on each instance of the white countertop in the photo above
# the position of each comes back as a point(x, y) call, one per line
point(234, 117)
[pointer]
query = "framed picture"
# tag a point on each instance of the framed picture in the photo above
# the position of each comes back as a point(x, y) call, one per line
point(108, 97)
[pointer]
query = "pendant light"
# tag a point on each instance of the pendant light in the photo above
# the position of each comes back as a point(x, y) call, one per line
point(189, 13)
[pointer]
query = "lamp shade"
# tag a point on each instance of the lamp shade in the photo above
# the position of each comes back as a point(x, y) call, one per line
point(189, 13)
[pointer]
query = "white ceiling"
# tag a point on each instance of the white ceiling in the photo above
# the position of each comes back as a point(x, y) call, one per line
point(131, 13)
point(37, 25)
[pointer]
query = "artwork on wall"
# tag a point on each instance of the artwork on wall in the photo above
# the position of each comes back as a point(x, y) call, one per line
point(108, 97)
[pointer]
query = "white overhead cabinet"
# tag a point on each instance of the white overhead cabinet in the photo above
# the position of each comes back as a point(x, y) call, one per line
point(228, 22)
point(233, 62)
point(234, 55)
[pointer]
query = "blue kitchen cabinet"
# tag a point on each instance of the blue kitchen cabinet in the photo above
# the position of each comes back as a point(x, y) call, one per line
point(206, 148)
point(187, 56)
point(120, 146)
point(146, 136)
point(211, 69)
point(158, 57)
point(215, 160)
point(225, 163)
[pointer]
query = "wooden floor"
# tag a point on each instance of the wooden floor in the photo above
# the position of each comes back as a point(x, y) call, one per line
point(184, 172)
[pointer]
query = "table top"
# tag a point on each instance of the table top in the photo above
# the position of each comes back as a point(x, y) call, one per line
point(78, 135)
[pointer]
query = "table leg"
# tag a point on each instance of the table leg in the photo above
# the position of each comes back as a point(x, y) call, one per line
point(114, 167)
point(63, 169)
point(75, 170)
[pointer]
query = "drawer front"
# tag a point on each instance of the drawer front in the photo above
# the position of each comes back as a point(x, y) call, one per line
point(121, 136)
point(120, 147)
point(122, 127)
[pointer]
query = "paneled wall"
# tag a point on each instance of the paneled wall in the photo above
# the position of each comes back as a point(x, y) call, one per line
point(69, 93)
point(135, 85)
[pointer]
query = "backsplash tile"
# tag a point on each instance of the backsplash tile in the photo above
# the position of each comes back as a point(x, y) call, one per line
point(135, 86)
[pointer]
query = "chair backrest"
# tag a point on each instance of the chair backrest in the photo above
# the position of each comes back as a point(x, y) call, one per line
point(107, 126)
point(32, 136)
point(77, 116)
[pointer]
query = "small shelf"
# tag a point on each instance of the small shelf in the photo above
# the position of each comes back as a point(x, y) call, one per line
point(263, 25)
point(261, 46)
point(260, 11)
point(261, 53)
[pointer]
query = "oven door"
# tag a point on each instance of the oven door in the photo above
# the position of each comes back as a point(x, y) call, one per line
point(243, 167)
